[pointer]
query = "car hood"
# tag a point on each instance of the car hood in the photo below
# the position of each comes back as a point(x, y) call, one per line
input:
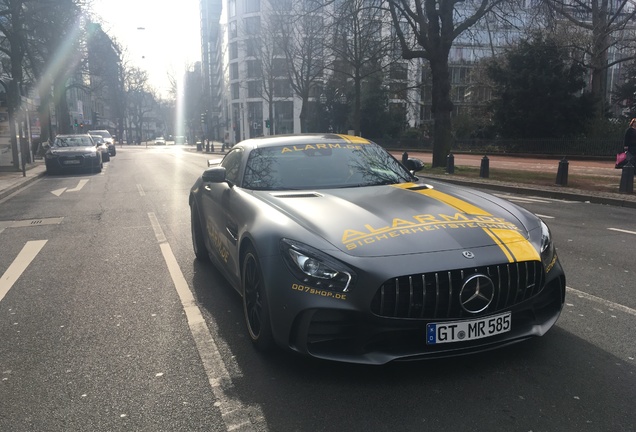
point(407, 218)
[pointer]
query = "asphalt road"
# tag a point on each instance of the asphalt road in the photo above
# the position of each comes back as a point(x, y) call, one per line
point(108, 323)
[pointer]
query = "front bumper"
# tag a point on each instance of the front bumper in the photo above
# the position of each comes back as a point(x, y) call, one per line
point(347, 327)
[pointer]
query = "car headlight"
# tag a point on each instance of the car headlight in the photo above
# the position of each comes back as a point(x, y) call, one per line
point(315, 268)
point(548, 255)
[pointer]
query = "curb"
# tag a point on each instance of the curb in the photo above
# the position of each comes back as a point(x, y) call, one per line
point(21, 184)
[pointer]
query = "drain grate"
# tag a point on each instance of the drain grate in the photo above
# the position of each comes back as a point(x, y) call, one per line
point(35, 222)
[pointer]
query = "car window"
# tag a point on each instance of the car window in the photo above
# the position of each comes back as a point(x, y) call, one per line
point(73, 141)
point(322, 166)
point(232, 164)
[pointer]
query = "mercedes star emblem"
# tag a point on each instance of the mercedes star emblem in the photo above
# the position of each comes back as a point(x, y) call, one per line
point(477, 293)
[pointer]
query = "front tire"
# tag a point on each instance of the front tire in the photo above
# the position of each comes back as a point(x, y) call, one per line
point(255, 306)
point(198, 244)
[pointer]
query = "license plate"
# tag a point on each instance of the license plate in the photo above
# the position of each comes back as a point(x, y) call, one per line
point(71, 162)
point(459, 331)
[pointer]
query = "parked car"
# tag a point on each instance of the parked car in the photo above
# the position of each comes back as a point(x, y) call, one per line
point(102, 146)
point(341, 252)
point(108, 138)
point(160, 141)
point(72, 153)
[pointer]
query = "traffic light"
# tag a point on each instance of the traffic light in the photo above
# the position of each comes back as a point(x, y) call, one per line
point(75, 123)
point(267, 123)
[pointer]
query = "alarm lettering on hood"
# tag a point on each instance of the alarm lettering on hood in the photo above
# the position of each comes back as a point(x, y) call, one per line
point(353, 238)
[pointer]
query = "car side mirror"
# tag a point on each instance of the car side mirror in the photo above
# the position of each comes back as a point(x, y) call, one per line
point(214, 175)
point(413, 164)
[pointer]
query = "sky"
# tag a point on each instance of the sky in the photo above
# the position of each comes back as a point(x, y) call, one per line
point(161, 37)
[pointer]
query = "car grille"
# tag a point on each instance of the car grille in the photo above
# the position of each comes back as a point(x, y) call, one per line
point(436, 295)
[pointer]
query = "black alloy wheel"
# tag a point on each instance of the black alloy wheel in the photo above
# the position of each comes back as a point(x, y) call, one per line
point(198, 244)
point(255, 304)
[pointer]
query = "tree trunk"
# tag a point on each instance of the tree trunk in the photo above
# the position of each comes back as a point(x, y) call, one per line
point(442, 107)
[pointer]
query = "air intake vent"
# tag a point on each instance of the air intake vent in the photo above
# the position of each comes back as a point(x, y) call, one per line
point(297, 195)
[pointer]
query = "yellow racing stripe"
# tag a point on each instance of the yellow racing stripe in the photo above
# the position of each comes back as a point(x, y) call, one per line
point(353, 139)
point(512, 243)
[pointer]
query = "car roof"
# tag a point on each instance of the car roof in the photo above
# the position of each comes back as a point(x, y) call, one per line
point(302, 139)
point(71, 135)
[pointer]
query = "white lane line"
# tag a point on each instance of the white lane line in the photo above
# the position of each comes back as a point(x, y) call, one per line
point(157, 228)
point(601, 301)
point(79, 186)
point(141, 190)
point(236, 416)
point(544, 216)
point(21, 262)
point(622, 230)
point(58, 192)
point(522, 199)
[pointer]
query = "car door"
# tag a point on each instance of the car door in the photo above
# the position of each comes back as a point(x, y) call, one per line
point(220, 225)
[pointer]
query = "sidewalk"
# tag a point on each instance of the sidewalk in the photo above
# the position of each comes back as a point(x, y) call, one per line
point(11, 181)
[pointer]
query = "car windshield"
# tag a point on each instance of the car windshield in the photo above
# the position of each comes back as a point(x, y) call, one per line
point(322, 166)
point(73, 141)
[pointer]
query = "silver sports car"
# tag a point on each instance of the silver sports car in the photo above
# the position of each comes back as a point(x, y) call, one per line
point(341, 252)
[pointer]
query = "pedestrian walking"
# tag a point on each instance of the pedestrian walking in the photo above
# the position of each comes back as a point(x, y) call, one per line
point(629, 142)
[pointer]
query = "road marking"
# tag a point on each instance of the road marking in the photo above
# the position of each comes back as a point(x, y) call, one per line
point(141, 190)
point(21, 262)
point(622, 230)
point(154, 222)
point(604, 302)
point(533, 199)
point(236, 416)
point(79, 186)
point(58, 192)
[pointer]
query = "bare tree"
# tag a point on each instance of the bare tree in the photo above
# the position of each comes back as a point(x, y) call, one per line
point(360, 46)
point(301, 34)
point(141, 101)
point(605, 26)
point(427, 29)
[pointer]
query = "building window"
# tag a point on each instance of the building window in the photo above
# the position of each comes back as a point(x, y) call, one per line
point(231, 4)
point(398, 71)
point(235, 91)
point(252, 6)
point(233, 32)
point(284, 117)
point(254, 89)
point(281, 5)
point(233, 51)
point(282, 88)
point(253, 47)
point(234, 71)
point(253, 68)
point(279, 67)
point(252, 25)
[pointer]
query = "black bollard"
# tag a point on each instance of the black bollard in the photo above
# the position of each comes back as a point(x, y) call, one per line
point(627, 179)
point(484, 170)
point(562, 172)
point(405, 157)
point(207, 147)
point(450, 164)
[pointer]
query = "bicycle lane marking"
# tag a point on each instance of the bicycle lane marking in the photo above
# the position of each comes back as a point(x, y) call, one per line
point(19, 264)
point(236, 416)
